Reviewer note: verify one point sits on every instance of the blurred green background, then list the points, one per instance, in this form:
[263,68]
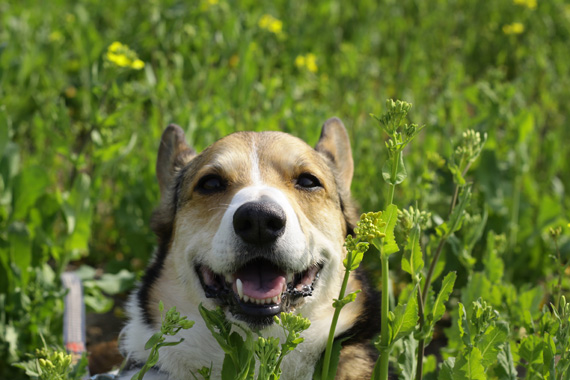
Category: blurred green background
[80,120]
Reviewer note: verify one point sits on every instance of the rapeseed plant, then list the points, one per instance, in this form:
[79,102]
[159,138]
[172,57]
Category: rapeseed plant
[530,4]
[308,61]
[514,28]
[120,55]
[271,24]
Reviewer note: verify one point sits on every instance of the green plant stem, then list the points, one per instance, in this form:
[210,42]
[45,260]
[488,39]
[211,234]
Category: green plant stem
[456,194]
[384,330]
[424,292]
[421,342]
[396,160]
[328,351]
[561,269]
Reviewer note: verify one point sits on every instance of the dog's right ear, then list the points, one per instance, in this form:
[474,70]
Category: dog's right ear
[173,153]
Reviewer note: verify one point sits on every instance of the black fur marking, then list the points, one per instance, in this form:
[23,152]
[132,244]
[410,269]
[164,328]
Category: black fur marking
[162,224]
[151,275]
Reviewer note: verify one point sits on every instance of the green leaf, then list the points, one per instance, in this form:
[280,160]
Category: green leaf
[493,338]
[229,370]
[4,131]
[446,372]
[30,185]
[356,259]
[531,349]
[333,364]
[401,172]
[463,325]
[405,318]
[346,300]
[494,266]
[456,217]
[412,260]
[506,369]
[155,339]
[407,360]
[390,217]
[549,357]
[444,293]
[456,173]
[469,367]
[78,210]
[116,283]
[20,246]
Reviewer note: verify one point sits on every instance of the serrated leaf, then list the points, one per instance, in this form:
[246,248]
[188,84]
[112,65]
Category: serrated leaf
[446,371]
[493,338]
[412,260]
[390,217]
[506,369]
[407,360]
[346,300]
[405,318]
[355,262]
[469,367]
[401,172]
[548,357]
[531,349]
[463,325]
[442,297]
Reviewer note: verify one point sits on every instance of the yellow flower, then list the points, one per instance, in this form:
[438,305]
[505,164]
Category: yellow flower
[137,64]
[115,46]
[311,62]
[530,4]
[120,55]
[119,59]
[271,24]
[514,28]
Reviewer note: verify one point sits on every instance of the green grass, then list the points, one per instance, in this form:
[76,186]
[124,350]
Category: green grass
[79,136]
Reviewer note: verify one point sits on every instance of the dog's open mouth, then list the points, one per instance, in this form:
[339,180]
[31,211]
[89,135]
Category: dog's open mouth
[259,289]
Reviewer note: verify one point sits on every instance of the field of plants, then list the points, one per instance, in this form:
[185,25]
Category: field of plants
[478,260]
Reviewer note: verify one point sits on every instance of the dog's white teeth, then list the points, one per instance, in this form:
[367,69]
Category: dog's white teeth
[245,299]
[239,286]
[289,277]
[275,299]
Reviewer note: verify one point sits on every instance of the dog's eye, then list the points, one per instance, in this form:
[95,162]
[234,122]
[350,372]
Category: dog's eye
[308,182]
[211,183]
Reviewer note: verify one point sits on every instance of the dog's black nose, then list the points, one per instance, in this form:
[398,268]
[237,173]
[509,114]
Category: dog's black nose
[259,222]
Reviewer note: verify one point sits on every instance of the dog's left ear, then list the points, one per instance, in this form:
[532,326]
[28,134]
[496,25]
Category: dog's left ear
[173,154]
[335,146]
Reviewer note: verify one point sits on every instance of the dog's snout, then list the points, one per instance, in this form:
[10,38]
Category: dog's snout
[259,222]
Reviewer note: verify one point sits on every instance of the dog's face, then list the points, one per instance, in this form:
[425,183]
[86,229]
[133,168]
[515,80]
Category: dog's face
[256,222]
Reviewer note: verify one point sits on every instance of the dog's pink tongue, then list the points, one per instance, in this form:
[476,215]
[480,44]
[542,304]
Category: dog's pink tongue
[261,280]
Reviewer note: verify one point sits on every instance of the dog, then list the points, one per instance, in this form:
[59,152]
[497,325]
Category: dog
[255,224]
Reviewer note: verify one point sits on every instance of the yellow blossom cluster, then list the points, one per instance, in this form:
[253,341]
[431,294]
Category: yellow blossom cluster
[514,28]
[271,24]
[120,55]
[530,4]
[309,61]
